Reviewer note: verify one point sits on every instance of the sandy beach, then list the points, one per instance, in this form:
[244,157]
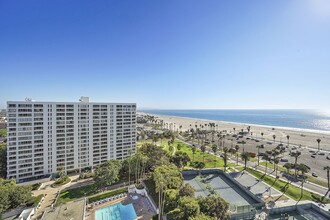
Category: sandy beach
[303,137]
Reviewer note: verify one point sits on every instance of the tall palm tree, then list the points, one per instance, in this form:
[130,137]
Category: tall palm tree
[288,138]
[303,169]
[245,156]
[193,149]
[274,137]
[243,142]
[276,162]
[318,143]
[267,157]
[296,155]
[225,156]
[327,168]
[259,147]
[236,149]
[234,130]
[262,135]
[203,149]
[275,153]
[214,149]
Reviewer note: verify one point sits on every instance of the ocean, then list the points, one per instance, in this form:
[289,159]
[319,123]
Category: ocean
[300,119]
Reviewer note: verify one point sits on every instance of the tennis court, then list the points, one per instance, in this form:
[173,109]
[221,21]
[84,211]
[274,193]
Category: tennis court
[221,184]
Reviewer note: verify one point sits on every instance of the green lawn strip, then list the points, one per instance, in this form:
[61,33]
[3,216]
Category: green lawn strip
[309,177]
[107,194]
[208,158]
[76,193]
[288,189]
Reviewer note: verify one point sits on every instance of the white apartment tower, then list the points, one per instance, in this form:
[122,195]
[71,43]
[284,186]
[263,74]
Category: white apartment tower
[44,137]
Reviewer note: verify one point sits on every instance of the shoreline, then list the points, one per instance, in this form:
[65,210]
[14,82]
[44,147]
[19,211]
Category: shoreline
[245,124]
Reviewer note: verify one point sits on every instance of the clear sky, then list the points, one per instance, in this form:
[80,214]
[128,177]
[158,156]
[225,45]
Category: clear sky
[173,54]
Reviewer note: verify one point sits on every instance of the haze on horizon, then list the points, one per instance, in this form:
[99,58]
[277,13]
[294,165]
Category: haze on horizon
[169,54]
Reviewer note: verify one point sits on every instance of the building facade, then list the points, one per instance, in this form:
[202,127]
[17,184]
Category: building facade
[44,137]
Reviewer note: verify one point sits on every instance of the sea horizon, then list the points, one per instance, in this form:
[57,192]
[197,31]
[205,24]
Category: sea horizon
[297,119]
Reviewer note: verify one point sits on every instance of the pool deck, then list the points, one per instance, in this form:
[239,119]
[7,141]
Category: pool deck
[140,206]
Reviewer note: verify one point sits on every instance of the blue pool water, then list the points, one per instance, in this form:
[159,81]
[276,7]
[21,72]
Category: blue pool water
[116,212]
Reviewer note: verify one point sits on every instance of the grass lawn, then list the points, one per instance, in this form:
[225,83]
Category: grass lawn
[288,189]
[73,194]
[208,158]
[310,178]
[107,194]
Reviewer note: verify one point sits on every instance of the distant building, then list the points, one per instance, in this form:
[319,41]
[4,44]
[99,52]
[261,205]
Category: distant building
[46,136]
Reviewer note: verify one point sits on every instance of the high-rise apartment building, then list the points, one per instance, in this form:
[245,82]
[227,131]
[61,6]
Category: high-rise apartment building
[44,137]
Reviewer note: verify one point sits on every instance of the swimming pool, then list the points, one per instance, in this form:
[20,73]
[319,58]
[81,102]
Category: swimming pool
[116,212]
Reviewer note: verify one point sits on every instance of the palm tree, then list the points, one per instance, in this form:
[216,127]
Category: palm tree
[258,147]
[262,135]
[303,169]
[288,138]
[243,142]
[327,168]
[193,149]
[275,153]
[236,149]
[234,130]
[276,161]
[318,143]
[274,137]
[267,156]
[203,149]
[296,155]
[214,149]
[225,156]
[245,156]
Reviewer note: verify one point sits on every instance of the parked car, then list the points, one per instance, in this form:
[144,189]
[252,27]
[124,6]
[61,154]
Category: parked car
[314,174]
[313,156]
[321,153]
[284,160]
[328,157]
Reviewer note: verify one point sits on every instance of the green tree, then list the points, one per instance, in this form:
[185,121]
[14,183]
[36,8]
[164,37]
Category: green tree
[258,155]
[3,160]
[303,169]
[193,149]
[189,207]
[318,143]
[245,156]
[187,190]
[203,149]
[274,137]
[214,149]
[156,156]
[3,133]
[166,177]
[180,159]
[107,173]
[201,216]
[225,157]
[295,155]
[214,206]
[237,151]
[179,146]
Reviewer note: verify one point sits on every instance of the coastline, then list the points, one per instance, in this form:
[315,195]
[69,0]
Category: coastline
[298,136]
[245,124]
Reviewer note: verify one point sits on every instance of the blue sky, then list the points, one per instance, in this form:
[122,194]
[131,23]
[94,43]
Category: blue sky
[168,54]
